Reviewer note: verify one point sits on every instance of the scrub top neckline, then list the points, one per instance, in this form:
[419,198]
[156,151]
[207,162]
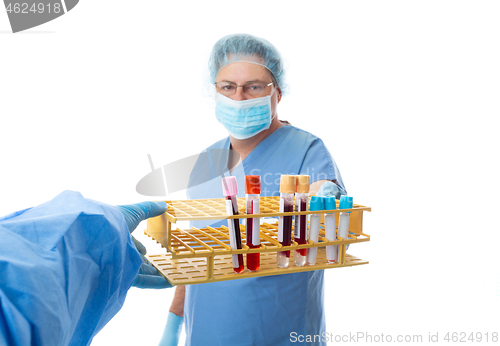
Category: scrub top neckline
[263,144]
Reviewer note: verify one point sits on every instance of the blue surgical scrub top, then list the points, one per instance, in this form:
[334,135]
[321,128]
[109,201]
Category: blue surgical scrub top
[65,268]
[263,310]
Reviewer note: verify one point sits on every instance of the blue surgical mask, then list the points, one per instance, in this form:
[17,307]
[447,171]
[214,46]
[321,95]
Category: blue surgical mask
[244,119]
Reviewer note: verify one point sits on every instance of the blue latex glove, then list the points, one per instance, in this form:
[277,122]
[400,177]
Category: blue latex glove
[135,213]
[65,269]
[148,276]
[172,330]
[331,189]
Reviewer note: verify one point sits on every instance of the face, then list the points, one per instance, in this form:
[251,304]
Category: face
[244,72]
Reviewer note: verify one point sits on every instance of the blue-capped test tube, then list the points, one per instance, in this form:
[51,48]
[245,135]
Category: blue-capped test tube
[315,204]
[345,203]
[330,231]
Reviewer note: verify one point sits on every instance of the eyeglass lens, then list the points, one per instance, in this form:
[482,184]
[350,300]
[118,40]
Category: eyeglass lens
[252,88]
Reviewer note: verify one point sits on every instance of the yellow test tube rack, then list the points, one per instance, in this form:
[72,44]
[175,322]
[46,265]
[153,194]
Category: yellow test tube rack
[203,255]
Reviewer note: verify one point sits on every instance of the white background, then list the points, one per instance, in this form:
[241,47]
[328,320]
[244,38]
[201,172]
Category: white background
[404,94]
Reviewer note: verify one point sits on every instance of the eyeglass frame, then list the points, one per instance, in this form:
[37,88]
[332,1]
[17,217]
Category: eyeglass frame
[236,85]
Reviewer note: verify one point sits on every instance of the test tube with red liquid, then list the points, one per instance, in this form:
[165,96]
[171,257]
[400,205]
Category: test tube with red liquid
[287,190]
[230,191]
[252,193]
[303,183]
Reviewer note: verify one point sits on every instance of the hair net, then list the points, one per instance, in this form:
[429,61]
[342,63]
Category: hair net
[245,47]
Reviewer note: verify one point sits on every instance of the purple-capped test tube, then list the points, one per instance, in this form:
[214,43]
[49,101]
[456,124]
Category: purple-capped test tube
[230,191]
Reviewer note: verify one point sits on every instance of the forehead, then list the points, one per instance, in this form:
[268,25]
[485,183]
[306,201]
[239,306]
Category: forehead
[241,72]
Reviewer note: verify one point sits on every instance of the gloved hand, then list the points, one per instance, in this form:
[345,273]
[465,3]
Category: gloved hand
[172,330]
[135,213]
[148,276]
[329,188]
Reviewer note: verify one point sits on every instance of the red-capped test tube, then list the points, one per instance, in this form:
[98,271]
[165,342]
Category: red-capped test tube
[252,193]
[287,190]
[300,230]
[230,191]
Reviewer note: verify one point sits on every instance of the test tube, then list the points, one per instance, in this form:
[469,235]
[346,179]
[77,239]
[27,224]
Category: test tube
[230,190]
[252,193]
[303,182]
[287,189]
[317,204]
[330,232]
[345,203]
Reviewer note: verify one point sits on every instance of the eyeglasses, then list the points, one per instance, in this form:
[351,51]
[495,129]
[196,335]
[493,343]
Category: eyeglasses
[250,88]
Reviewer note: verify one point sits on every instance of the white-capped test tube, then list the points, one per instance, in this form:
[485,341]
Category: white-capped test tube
[287,190]
[345,203]
[252,193]
[330,231]
[316,204]
[303,182]
[230,191]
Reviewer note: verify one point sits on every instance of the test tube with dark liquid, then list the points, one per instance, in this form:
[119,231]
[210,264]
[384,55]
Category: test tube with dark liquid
[303,183]
[230,191]
[287,190]
[252,193]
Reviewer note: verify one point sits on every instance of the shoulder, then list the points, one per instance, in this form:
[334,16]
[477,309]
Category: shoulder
[305,138]
[221,144]
[317,160]
[209,164]
[295,131]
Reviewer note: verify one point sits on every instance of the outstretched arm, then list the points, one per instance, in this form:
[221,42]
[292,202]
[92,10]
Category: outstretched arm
[66,267]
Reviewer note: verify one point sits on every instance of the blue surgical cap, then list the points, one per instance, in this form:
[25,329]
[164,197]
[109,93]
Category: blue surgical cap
[245,47]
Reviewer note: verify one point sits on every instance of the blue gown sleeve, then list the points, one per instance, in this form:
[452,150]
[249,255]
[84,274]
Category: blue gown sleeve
[66,267]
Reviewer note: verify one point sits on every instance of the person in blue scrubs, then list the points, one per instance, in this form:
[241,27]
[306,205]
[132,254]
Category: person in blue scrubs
[66,266]
[248,76]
